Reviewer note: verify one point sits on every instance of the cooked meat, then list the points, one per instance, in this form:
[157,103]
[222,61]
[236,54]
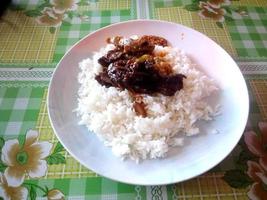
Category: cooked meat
[133,66]
[155,40]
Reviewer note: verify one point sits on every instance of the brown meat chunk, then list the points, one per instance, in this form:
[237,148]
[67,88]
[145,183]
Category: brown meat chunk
[133,66]
[155,40]
[139,47]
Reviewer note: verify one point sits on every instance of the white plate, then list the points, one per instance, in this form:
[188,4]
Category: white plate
[199,155]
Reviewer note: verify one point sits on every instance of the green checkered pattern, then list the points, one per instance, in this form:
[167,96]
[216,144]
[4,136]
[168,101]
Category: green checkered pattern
[170,3]
[254,114]
[77,29]
[249,33]
[19,109]
[99,188]
[91,188]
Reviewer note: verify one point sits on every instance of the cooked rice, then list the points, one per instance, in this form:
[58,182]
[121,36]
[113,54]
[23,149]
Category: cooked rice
[109,113]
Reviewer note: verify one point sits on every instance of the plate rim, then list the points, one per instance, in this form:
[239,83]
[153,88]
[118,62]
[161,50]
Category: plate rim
[126,181]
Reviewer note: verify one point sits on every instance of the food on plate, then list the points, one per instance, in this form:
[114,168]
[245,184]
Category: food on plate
[142,96]
[134,66]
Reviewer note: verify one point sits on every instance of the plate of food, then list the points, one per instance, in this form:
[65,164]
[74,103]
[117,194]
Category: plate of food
[148,102]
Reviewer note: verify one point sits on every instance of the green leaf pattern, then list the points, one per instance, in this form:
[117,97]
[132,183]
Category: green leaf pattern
[52,30]
[32,13]
[219,24]
[2,142]
[33,193]
[56,158]
[58,148]
[237,179]
[192,7]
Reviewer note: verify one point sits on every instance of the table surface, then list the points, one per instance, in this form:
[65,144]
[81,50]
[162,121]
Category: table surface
[34,35]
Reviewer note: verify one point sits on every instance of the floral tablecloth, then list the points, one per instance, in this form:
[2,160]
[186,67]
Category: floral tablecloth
[35,34]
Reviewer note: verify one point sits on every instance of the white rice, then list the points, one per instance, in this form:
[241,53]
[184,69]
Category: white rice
[109,112]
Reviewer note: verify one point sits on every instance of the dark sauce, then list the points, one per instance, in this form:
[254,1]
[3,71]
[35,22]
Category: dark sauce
[133,66]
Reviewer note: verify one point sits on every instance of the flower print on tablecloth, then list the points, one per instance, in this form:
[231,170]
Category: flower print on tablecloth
[9,192]
[27,157]
[50,18]
[208,10]
[217,10]
[62,6]
[54,13]
[55,194]
[251,172]
[257,144]
[257,171]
